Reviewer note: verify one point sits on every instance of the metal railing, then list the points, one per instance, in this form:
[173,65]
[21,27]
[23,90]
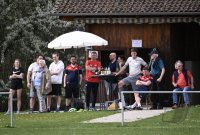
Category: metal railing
[11,106]
[155,92]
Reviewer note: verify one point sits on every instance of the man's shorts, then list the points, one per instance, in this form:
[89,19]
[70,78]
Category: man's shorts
[72,89]
[15,85]
[33,92]
[131,80]
[56,90]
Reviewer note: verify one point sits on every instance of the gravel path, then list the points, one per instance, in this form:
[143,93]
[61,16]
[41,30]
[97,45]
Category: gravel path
[129,116]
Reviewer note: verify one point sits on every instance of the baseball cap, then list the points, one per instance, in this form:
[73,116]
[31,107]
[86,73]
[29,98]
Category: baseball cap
[154,51]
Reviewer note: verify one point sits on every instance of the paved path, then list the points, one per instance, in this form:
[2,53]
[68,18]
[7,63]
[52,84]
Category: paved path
[129,116]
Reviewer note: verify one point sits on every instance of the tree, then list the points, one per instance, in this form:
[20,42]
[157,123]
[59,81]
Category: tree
[26,28]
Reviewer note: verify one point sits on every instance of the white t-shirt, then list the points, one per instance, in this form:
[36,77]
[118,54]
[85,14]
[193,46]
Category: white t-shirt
[33,68]
[59,66]
[135,65]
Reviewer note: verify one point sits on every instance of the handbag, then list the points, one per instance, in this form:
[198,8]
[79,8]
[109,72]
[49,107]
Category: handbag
[46,82]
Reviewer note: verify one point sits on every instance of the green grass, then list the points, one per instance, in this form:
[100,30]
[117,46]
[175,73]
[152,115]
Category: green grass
[179,122]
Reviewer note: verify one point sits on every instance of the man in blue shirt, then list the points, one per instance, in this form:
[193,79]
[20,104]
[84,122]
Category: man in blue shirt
[72,81]
[157,70]
[114,68]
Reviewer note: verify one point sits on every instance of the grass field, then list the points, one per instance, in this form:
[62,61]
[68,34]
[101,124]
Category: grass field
[179,122]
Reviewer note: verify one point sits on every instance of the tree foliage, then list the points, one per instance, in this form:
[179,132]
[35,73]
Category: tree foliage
[26,28]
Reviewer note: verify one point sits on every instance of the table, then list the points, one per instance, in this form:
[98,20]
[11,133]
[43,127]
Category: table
[105,77]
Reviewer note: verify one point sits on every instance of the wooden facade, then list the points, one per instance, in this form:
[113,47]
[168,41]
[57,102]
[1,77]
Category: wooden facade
[174,42]
[120,37]
[172,27]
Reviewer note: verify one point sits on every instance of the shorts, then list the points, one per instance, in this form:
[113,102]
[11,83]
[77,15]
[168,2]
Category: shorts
[33,92]
[15,85]
[131,80]
[56,90]
[72,89]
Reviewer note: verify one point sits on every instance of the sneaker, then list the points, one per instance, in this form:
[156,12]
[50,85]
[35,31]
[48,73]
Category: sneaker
[174,106]
[92,109]
[72,110]
[58,109]
[133,106]
[80,110]
[7,113]
[44,111]
[30,111]
[66,109]
[48,110]
[18,112]
[120,105]
[138,108]
[86,109]
[127,107]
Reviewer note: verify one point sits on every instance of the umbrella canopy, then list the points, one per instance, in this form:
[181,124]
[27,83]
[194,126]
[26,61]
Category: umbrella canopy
[77,39]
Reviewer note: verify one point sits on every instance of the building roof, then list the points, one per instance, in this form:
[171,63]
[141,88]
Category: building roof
[125,7]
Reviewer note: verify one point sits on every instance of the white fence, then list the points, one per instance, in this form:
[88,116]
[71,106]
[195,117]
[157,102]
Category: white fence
[156,92]
[11,106]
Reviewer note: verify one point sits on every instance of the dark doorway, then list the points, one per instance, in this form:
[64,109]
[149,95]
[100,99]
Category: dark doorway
[144,53]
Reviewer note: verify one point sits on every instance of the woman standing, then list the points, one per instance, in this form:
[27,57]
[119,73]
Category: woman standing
[16,78]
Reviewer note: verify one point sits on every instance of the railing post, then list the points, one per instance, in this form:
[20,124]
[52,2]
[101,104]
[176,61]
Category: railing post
[123,104]
[11,109]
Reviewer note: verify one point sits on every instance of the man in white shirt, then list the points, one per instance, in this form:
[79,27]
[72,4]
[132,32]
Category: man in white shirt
[135,63]
[30,77]
[56,69]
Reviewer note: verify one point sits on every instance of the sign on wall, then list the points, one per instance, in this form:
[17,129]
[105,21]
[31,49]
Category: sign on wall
[136,43]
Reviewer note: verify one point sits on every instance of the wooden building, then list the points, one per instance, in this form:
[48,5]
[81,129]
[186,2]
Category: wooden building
[172,26]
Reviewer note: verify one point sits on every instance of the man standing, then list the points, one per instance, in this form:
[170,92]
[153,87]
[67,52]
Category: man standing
[157,70]
[113,67]
[56,69]
[30,77]
[135,63]
[92,82]
[72,81]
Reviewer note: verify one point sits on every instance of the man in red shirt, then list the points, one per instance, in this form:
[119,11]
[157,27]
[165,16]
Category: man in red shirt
[182,80]
[92,82]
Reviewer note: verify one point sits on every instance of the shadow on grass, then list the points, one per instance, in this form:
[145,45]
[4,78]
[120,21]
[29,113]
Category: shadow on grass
[175,116]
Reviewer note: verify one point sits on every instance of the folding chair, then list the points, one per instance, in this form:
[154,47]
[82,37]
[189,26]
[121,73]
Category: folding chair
[148,98]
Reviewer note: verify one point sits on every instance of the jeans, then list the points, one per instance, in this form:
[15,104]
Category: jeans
[185,95]
[108,87]
[41,98]
[142,88]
